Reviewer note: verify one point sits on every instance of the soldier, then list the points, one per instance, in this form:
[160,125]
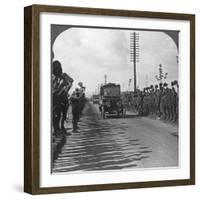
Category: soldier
[82,98]
[136,102]
[75,102]
[57,74]
[157,101]
[151,100]
[140,103]
[163,102]
[64,97]
[61,86]
[169,104]
[176,97]
[159,98]
[125,101]
[146,101]
[173,100]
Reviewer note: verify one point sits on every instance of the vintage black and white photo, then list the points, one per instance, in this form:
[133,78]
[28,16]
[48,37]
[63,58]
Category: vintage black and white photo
[109,99]
[114,98]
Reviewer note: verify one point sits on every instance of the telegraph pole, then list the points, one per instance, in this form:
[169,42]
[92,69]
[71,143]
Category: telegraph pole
[134,54]
[105,79]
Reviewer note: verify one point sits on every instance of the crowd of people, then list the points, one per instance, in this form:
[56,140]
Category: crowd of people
[159,100]
[61,100]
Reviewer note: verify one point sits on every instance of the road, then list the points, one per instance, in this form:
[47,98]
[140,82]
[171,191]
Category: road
[117,143]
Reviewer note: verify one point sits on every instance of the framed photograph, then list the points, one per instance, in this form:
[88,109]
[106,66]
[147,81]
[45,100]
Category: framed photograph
[109,99]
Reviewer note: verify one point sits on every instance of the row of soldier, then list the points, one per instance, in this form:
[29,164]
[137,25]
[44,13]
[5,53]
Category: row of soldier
[61,84]
[159,100]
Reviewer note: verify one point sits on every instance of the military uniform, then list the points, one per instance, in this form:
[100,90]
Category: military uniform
[140,104]
[56,104]
[61,83]
[160,101]
[75,103]
[157,102]
[174,104]
[146,104]
[64,97]
[169,104]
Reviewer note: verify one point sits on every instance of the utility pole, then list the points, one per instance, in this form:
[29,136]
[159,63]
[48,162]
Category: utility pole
[105,79]
[134,54]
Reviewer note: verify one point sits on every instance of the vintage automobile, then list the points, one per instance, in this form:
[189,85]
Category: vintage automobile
[95,99]
[110,100]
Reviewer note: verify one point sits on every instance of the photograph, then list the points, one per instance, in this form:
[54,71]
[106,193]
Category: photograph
[109,99]
[114,99]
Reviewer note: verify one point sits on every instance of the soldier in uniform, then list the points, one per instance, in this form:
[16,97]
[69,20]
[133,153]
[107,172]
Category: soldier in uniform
[82,98]
[177,99]
[159,98]
[146,101]
[176,95]
[151,100]
[140,103]
[163,103]
[124,101]
[64,97]
[169,104]
[61,86]
[157,103]
[75,103]
[56,79]
[173,100]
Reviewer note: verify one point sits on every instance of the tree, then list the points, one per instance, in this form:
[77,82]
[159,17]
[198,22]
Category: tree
[161,76]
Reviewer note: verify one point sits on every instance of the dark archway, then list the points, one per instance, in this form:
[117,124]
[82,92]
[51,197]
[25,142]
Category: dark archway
[56,30]
[174,37]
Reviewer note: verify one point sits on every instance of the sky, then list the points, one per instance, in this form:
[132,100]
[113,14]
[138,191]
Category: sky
[88,54]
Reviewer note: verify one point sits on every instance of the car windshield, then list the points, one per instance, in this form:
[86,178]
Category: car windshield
[114,91]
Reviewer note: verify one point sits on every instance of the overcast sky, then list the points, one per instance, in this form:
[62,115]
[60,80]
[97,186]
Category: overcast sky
[87,54]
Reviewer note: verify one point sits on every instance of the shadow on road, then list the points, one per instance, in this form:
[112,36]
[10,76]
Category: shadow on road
[98,145]
[127,116]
